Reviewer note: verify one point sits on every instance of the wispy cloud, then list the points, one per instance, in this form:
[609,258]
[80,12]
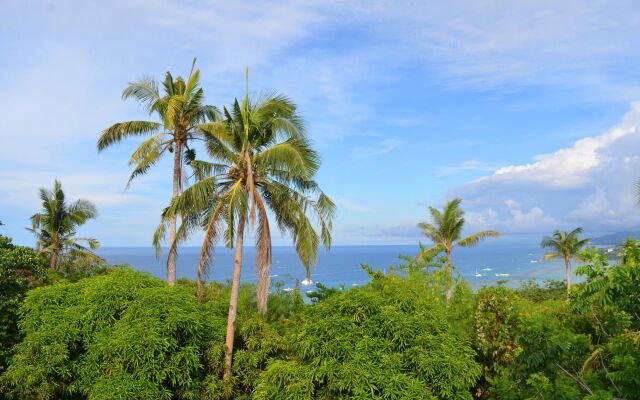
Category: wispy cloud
[351,205]
[469,165]
[382,147]
[520,43]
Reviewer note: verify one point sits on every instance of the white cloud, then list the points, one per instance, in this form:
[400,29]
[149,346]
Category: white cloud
[571,167]
[382,147]
[514,220]
[590,184]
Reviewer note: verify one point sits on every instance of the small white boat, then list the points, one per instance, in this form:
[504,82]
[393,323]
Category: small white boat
[288,289]
[486,269]
[307,282]
[478,275]
[533,261]
[503,274]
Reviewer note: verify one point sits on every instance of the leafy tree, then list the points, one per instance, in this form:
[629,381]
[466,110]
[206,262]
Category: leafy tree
[5,242]
[123,333]
[180,110]
[55,227]
[566,245]
[263,162]
[552,290]
[21,269]
[496,322]
[629,251]
[445,232]
[387,340]
[610,300]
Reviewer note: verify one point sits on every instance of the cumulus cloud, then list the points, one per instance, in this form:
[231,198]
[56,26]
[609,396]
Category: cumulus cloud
[590,184]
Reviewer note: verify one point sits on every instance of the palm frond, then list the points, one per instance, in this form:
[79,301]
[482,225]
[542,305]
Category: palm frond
[551,256]
[144,90]
[116,132]
[476,238]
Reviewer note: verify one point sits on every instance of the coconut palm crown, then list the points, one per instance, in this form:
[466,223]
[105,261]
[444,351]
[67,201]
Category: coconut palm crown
[179,109]
[445,232]
[566,245]
[261,164]
[56,225]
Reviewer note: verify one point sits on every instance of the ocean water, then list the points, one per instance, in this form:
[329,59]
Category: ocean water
[515,262]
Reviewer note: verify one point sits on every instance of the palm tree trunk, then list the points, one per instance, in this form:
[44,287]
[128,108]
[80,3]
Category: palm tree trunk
[567,265]
[449,277]
[173,251]
[264,281]
[53,261]
[199,285]
[233,302]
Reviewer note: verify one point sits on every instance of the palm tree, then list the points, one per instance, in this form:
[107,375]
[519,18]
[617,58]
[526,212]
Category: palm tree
[565,245]
[445,232]
[55,227]
[262,163]
[180,110]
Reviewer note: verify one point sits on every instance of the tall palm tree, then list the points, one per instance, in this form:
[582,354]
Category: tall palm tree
[180,109]
[55,227]
[262,163]
[565,245]
[445,231]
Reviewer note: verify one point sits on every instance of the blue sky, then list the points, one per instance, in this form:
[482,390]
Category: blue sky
[527,110]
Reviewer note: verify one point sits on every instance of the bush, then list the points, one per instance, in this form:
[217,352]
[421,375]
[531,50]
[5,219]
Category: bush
[388,340]
[124,334]
[21,269]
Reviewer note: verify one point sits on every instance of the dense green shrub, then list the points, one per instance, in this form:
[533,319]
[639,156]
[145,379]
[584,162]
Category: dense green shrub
[121,335]
[21,269]
[124,334]
[388,340]
[552,290]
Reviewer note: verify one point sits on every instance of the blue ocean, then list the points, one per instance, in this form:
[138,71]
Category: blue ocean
[483,265]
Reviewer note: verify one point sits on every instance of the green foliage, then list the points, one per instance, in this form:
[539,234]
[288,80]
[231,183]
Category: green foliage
[552,290]
[5,242]
[21,269]
[123,332]
[388,340]
[496,321]
[75,268]
[323,292]
[119,333]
